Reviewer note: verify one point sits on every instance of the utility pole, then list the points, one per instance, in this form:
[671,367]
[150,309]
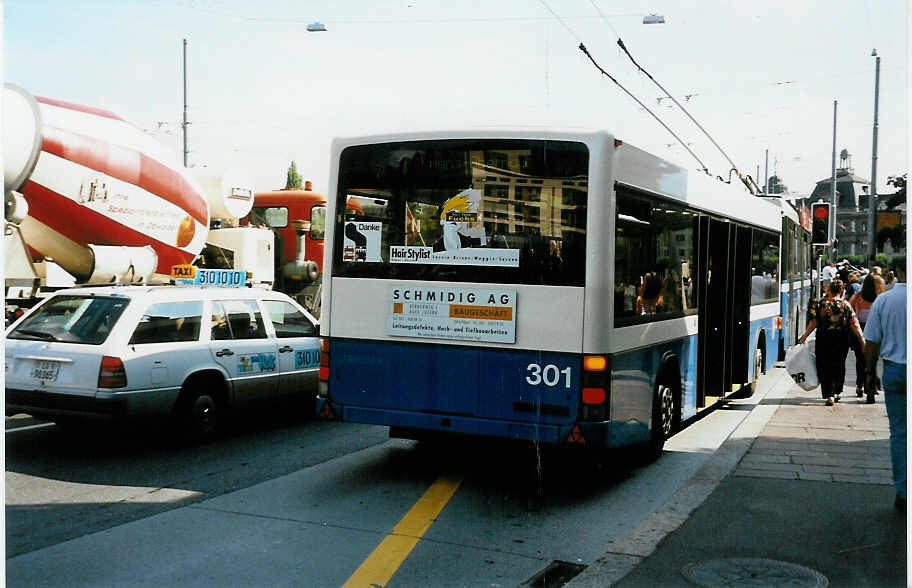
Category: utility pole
[833,182]
[185,123]
[872,199]
[766,170]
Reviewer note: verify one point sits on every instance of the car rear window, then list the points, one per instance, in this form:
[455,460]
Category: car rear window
[287,320]
[237,319]
[72,319]
[169,322]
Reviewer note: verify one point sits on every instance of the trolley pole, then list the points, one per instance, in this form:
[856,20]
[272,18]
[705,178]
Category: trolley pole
[872,199]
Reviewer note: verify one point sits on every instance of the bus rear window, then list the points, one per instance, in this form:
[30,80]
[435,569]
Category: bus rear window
[499,211]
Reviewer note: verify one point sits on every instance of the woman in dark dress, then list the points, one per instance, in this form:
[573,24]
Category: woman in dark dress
[835,322]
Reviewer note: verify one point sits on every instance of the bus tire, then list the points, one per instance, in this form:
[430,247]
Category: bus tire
[666,416]
[758,369]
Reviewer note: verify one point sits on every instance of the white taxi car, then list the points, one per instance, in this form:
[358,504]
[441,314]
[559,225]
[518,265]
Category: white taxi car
[184,353]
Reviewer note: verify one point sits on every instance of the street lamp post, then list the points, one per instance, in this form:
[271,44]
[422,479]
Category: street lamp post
[872,199]
[185,122]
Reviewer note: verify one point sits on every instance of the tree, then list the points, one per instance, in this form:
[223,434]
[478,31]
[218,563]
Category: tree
[293,179]
[775,186]
[899,197]
[895,235]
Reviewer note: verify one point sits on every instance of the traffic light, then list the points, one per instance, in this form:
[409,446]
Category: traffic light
[820,223]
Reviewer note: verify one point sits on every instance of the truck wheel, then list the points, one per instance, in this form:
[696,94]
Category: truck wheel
[312,271]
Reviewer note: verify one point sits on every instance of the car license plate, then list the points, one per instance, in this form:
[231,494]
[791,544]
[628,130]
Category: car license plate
[45,370]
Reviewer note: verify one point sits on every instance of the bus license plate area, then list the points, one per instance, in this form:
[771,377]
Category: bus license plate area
[45,370]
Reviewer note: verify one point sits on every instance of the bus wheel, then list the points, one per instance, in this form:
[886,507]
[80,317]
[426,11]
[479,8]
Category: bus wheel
[758,368]
[664,418]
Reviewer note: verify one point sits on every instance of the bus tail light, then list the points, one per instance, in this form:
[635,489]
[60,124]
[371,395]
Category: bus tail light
[594,398]
[779,323]
[112,374]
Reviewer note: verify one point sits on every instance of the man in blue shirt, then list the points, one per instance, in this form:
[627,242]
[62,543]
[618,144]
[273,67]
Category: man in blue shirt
[885,337]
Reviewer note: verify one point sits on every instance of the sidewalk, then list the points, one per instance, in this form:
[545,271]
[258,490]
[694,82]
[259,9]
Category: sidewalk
[809,500]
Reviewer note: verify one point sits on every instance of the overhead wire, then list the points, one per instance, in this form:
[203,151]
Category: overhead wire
[623,47]
[582,48]
[189,4]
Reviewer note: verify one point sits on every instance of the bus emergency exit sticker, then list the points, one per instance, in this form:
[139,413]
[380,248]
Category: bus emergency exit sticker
[467,314]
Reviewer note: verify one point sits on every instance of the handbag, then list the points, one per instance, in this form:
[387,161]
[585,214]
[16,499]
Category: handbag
[801,364]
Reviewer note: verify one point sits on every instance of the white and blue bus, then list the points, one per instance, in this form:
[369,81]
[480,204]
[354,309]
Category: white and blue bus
[795,265]
[558,287]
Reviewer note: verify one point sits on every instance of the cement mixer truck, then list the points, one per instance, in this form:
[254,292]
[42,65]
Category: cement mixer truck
[90,198]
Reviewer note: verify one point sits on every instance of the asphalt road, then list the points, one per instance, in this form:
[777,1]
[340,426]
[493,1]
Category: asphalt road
[65,483]
[319,497]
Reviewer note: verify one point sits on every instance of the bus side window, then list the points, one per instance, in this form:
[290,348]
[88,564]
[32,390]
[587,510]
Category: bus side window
[654,251]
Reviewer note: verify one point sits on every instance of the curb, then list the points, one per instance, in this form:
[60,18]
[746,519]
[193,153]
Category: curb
[638,544]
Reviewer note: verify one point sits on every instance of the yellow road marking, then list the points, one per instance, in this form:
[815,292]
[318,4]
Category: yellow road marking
[380,566]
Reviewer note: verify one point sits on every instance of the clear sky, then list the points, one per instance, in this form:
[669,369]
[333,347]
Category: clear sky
[264,91]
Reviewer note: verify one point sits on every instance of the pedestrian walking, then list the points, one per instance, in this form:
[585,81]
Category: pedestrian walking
[828,273]
[834,320]
[854,285]
[885,337]
[861,303]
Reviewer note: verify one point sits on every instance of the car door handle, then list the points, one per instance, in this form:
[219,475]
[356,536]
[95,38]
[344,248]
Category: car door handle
[285,349]
[224,352]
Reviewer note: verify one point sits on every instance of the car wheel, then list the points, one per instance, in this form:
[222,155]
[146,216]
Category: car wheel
[199,416]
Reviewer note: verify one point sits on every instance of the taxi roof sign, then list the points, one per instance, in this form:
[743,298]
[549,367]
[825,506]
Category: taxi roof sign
[184,270]
[189,275]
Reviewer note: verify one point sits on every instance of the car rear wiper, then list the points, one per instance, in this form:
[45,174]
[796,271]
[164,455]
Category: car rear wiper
[37,334]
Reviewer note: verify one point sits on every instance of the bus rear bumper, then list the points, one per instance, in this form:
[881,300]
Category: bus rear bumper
[594,434]
[458,424]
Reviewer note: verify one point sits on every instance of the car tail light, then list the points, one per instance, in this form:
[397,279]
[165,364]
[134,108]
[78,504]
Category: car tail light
[594,397]
[324,359]
[111,374]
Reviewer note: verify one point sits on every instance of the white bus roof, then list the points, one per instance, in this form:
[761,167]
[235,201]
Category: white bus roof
[633,167]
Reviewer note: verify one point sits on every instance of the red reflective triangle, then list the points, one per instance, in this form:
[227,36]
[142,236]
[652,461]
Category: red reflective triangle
[327,413]
[576,436]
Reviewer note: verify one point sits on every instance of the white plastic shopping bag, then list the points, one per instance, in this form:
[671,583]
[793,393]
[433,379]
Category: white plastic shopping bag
[801,364]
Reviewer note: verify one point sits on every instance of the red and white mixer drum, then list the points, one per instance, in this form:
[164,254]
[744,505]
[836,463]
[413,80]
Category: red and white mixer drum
[91,177]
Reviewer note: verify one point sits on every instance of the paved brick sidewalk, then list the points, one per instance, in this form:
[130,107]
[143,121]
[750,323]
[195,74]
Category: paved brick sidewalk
[799,483]
[806,440]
